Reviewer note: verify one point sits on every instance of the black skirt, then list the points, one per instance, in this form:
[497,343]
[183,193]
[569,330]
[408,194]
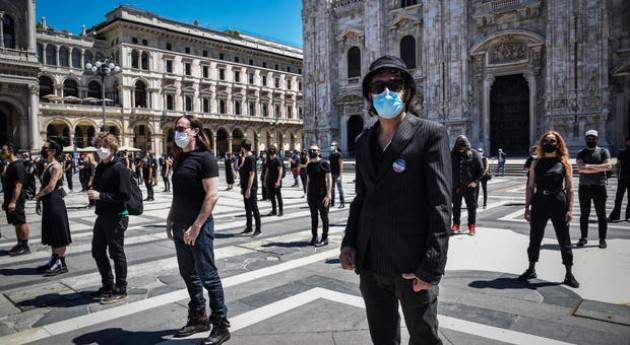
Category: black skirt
[55,226]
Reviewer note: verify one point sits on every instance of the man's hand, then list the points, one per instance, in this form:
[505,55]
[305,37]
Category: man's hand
[277,184]
[38,208]
[169,230]
[11,207]
[326,200]
[347,258]
[94,195]
[191,234]
[528,215]
[248,194]
[418,284]
[473,184]
[569,216]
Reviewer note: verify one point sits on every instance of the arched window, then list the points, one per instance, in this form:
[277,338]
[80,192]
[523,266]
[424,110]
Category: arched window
[76,58]
[237,107]
[114,93]
[145,61]
[135,59]
[46,86]
[63,57]
[169,102]
[94,89]
[70,88]
[406,3]
[354,62]
[51,55]
[140,94]
[87,57]
[40,53]
[408,51]
[189,105]
[8,28]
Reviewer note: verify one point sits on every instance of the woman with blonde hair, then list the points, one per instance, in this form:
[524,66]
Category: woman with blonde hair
[550,195]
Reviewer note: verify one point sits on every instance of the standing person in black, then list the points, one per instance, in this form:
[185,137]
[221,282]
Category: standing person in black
[273,181]
[397,231]
[295,167]
[14,180]
[623,183]
[50,204]
[137,163]
[249,186]
[501,160]
[467,171]
[550,199]
[191,226]
[263,174]
[484,178]
[592,163]
[229,170]
[148,170]
[68,168]
[336,169]
[111,189]
[303,163]
[319,183]
[83,178]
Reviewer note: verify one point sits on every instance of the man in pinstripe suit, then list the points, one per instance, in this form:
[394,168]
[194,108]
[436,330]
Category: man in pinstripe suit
[397,233]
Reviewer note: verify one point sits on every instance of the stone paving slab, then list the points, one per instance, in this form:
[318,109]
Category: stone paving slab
[605,312]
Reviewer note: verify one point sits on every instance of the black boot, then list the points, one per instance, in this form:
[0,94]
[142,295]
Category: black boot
[530,273]
[220,331]
[197,322]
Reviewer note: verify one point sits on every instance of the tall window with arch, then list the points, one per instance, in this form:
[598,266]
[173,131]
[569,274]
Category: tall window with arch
[354,62]
[63,57]
[135,59]
[76,58]
[94,89]
[46,86]
[140,94]
[408,51]
[189,103]
[40,53]
[144,61]
[169,102]
[51,55]
[87,57]
[70,88]
[8,28]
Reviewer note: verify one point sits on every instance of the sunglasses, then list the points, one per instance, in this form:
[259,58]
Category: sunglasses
[181,129]
[394,85]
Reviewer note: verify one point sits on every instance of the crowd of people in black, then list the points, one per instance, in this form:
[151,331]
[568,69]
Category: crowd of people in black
[393,214]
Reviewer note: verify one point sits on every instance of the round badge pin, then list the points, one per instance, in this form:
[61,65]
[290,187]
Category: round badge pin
[399,165]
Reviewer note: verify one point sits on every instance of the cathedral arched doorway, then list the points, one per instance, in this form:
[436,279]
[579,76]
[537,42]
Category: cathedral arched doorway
[355,127]
[4,132]
[222,142]
[510,115]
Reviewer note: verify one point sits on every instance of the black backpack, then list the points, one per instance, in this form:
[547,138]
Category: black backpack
[134,205]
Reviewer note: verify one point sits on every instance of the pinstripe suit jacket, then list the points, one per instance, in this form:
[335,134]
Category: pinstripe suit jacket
[402,209]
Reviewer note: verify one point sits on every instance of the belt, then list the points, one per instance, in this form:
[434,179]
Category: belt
[548,192]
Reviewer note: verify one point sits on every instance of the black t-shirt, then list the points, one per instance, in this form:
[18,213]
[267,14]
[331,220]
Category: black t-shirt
[189,170]
[596,156]
[316,172]
[295,161]
[113,181]
[149,163]
[15,173]
[248,165]
[273,165]
[624,164]
[335,159]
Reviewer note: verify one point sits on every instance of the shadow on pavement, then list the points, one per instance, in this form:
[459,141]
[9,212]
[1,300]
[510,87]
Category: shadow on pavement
[120,336]
[25,271]
[287,244]
[509,283]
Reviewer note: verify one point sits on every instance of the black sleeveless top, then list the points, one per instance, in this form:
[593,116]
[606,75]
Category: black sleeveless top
[550,173]
[47,176]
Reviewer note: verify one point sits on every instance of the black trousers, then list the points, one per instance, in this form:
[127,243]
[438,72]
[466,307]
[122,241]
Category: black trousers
[167,183]
[149,185]
[316,205]
[470,195]
[303,178]
[69,179]
[275,195]
[251,208]
[545,207]
[484,188]
[83,180]
[622,187]
[598,195]
[109,235]
[382,295]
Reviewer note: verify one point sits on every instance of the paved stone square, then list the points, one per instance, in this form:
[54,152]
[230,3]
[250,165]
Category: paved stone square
[279,290]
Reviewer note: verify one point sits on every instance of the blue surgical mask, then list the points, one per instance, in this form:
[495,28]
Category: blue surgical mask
[181,139]
[388,104]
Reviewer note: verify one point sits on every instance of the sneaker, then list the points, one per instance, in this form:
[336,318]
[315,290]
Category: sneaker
[256,233]
[43,268]
[19,249]
[220,332]
[101,292]
[472,229]
[603,244]
[313,241]
[246,232]
[528,274]
[114,296]
[569,280]
[57,268]
[342,206]
[455,228]
[581,242]
[322,242]
[612,220]
[271,214]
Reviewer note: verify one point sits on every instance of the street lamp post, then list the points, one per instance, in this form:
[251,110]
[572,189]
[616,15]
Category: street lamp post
[103,68]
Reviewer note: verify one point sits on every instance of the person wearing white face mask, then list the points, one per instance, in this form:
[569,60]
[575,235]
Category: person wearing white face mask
[398,228]
[111,190]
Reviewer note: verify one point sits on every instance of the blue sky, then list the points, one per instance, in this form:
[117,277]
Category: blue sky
[278,20]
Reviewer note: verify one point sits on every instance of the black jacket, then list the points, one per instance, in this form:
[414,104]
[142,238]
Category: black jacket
[113,181]
[405,213]
[467,168]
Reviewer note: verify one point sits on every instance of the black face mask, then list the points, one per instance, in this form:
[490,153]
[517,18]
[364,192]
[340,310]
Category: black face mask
[312,153]
[591,144]
[44,153]
[272,152]
[549,147]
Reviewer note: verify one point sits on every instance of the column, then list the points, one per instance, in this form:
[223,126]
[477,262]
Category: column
[34,139]
[230,143]
[81,63]
[531,81]
[32,42]
[1,29]
[487,84]
[343,135]
[214,142]
[57,52]
[44,46]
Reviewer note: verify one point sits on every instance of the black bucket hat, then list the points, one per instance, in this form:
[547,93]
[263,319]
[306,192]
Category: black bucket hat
[389,62]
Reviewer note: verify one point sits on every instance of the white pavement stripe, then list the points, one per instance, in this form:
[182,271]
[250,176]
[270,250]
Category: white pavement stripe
[115,313]
[519,217]
[290,303]
[83,248]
